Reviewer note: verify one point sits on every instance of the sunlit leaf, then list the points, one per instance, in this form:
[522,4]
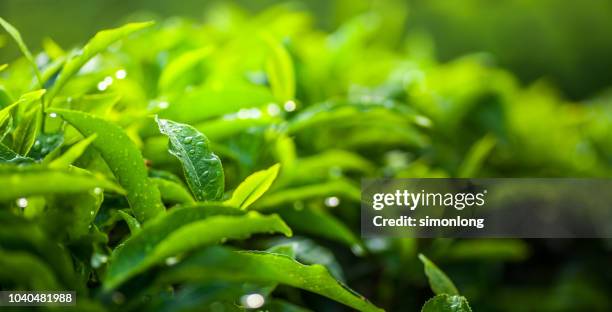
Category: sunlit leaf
[253,187]
[178,68]
[279,68]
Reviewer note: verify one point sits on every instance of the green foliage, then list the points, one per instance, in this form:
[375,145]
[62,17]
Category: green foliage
[266,125]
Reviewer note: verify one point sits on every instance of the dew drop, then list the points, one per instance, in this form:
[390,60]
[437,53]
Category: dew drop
[170,261]
[187,140]
[53,115]
[273,109]
[332,201]
[121,74]
[22,202]
[253,301]
[98,259]
[289,106]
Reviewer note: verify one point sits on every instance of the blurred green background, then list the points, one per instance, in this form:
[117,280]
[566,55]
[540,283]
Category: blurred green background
[565,42]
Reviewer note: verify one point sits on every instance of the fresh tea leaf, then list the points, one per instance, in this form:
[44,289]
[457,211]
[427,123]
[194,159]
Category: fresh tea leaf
[439,282]
[203,169]
[178,68]
[279,68]
[16,182]
[319,222]
[131,222]
[253,187]
[96,45]
[446,303]
[262,267]
[332,188]
[185,229]
[25,99]
[27,130]
[476,156]
[124,160]
[22,46]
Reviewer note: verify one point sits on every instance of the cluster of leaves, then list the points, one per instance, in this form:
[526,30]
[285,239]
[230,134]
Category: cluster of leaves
[159,166]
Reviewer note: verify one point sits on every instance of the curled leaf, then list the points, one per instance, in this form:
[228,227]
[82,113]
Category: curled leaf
[202,168]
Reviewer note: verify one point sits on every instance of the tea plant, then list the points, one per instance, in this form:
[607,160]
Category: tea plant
[178,166]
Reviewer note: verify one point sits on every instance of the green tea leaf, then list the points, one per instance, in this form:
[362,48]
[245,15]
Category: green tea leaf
[206,102]
[253,187]
[3,67]
[446,303]
[263,267]
[73,153]
[22,46]
[72,214]
[96,45]
[331,188]
[124,160]
[26,98]
[202,168]
[182,230]
[173,192]
[177,69]
[132,223]
[32,180]
[321,223]
[476,156]
[308,251]
[439,282]
[27,130]
[279,68]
